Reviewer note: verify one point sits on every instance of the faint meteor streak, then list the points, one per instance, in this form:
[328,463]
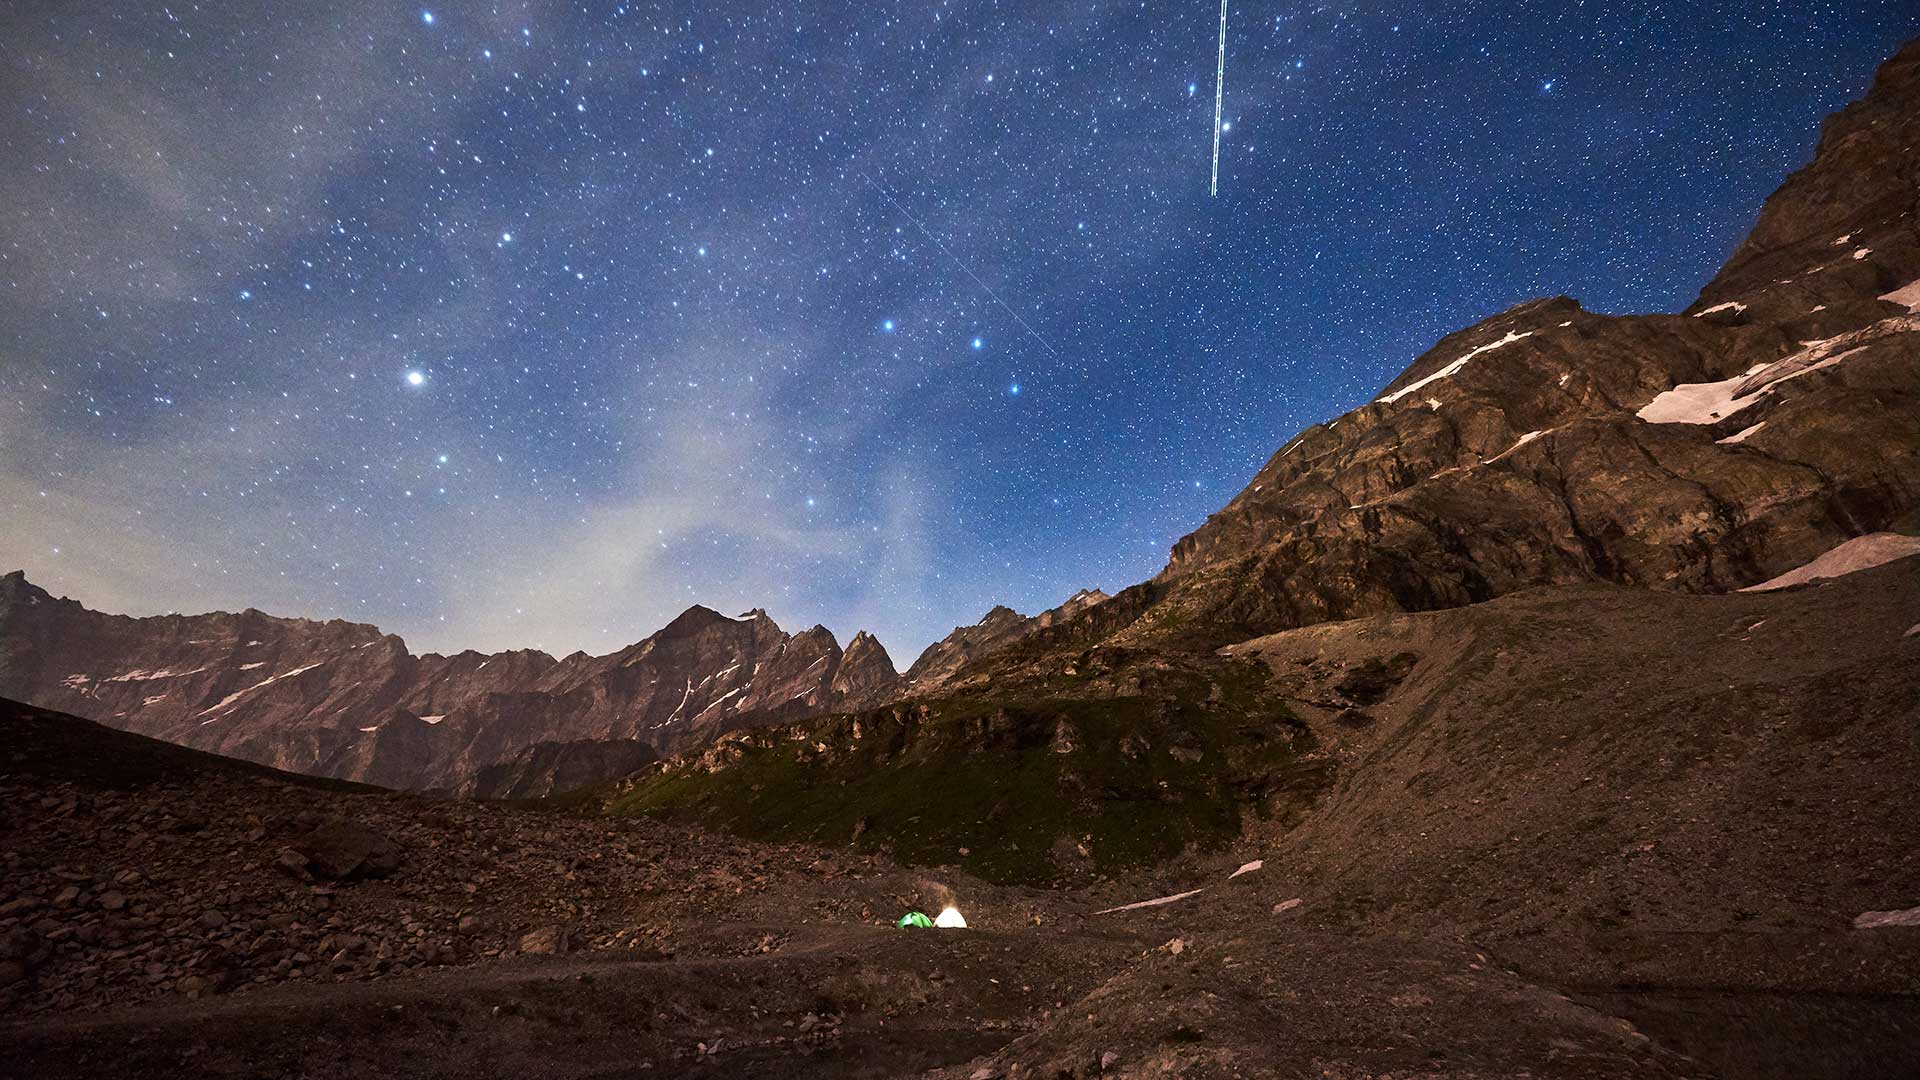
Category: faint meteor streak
[988,289]
[1219,89]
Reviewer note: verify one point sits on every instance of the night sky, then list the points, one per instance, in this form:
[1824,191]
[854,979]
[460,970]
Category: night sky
[531,324]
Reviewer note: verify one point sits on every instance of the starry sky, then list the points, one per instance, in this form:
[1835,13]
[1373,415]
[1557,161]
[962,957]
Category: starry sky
[530,324]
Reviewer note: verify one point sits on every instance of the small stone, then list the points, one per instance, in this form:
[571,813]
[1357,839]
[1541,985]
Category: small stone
[292,863]
[471,924]
[1867,920]
[113,901]
[212,920]
[1108,1060]
[1286,905]
[545,941]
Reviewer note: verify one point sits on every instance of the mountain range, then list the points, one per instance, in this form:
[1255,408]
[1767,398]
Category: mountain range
[344,700]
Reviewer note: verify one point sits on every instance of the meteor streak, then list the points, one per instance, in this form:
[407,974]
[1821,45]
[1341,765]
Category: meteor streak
[1219,89]
[988,289]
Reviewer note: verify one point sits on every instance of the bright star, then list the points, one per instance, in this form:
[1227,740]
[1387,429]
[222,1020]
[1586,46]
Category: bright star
[1228,126]
[443,459]
[426,17]
[416,378]
[245,294]
[506,238]
[1191,87]
[979,344]
[887,326]
[1014,390]
[1547,87]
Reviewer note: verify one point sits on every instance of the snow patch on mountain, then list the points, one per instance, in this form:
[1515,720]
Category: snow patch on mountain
[1907,296]
[1706,403]
[142,676]
[1859,553]
[1700,403]
[238,694]
[1524,440]
[1453,367]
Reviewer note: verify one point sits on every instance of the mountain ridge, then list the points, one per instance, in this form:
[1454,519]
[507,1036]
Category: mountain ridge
[341,699]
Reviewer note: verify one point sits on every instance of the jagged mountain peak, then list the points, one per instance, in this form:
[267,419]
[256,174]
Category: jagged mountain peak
[694,619]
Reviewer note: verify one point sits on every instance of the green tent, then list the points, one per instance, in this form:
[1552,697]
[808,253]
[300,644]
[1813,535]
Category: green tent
[916,920]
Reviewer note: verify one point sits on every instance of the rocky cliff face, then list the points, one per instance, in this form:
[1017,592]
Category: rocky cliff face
[342,699]
[1700,452]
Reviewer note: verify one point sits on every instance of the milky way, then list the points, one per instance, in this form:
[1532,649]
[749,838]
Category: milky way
[532,324]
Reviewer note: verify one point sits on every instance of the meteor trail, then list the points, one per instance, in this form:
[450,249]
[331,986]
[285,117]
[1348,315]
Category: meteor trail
[988,289]
[1219,88]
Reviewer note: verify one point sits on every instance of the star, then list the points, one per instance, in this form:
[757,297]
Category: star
[426,17]
[977,343]
[887,326]
[1014,390]
[416,378]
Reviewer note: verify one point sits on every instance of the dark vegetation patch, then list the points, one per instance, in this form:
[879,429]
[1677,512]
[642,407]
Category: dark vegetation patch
[1370,683]
[1029,790]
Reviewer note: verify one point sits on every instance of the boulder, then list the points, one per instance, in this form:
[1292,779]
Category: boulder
[340,850]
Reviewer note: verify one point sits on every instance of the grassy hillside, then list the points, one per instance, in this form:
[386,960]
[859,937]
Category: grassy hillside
[1032,790]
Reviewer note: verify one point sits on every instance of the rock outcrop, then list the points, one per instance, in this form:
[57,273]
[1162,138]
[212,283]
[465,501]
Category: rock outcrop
[344,700]
[551,768]
[997,629]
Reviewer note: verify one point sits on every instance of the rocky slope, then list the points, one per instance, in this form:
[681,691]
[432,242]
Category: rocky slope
[553,768]
[344,700]
[1700,452]
[997,629]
